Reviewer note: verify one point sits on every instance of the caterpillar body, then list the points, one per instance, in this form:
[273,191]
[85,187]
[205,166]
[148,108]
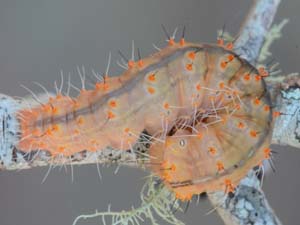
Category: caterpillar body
[207,109]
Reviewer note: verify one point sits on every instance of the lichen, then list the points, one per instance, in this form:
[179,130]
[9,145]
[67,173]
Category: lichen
[156,200]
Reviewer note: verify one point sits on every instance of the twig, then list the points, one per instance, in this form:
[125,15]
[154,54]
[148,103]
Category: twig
[255,28]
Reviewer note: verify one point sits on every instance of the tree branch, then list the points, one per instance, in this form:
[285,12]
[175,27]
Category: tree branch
[255,28]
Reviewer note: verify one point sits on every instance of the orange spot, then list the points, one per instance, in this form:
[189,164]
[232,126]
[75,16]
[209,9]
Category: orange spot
[48,132]
[55,127]
[229,45]
[171,42]
[238,106]
[212,151]
[276,114]
[198,87]
[140,63]
[267,108]
[223,64]
[220,41]
[230,57]
[178,196]
[105,86]
[263,72]
[152,77]
[199,135]
[220,166]
[221,85]
[253,133]
[61,149]
[80,120]
[257,101]
[98,86]
[227,182]
[173,168]
[267,152]
[126,130]
[59,96]
[112,103]
[130,64]
[110,115]
[257,77]
[241,125]
[192,55]
[151,90]
[54,110]
[76,131]
[182,42]
[247,77]
[102,86]
[166,105]
[229,186]
[189,66]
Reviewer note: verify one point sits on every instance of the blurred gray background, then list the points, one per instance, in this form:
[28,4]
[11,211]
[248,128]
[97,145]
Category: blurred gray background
[39,38]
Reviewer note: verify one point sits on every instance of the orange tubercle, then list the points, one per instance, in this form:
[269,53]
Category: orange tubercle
[189,66]
[130,64]
[253,133]
[171,41]
[182,42]
[151,90]
[192,55]
[151,77]
[220,41]
[140,63]
[247,77]
[112,103]
[223,64]
[110,115]
[220,166]
[276,114]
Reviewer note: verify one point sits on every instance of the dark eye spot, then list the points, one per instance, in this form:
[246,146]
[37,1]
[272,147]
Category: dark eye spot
[182,143]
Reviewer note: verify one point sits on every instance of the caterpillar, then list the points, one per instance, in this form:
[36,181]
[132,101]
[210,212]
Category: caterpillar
[207,110]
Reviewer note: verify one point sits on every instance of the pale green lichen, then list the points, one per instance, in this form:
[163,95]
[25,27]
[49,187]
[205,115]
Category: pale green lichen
[225,35]
[156,200]
[273,35]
